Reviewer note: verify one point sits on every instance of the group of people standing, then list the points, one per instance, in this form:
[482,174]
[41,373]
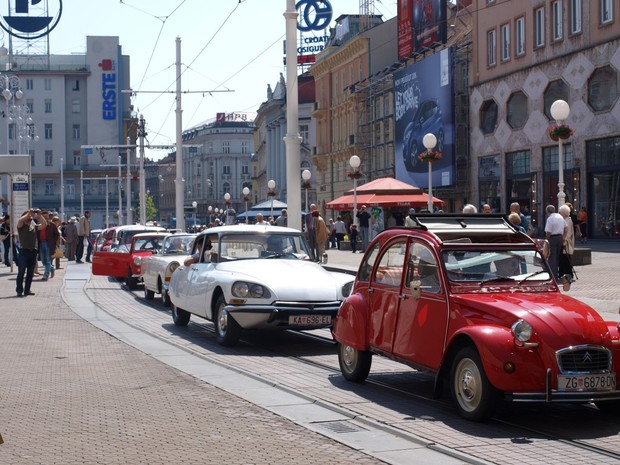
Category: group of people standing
[40,235]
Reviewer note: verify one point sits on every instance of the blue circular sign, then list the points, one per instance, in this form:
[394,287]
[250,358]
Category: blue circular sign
[315,15]
[29,19]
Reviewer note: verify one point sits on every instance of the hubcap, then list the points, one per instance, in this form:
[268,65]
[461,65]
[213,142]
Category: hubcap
[349,356]
[467,385]
[222,321]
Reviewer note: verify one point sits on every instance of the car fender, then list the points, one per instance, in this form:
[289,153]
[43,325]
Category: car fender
[351,325]
[496,346]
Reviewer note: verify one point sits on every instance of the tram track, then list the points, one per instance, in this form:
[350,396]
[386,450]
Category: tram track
[590,450]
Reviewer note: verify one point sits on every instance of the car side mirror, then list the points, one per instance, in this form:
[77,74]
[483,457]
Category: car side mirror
[415,288]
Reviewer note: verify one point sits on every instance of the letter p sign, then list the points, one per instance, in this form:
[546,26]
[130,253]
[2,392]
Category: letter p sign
[21,6]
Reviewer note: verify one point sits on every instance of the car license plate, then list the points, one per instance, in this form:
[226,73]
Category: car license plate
[603,382]
[309,320]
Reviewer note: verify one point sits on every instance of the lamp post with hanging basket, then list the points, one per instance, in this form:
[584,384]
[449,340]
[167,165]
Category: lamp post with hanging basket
[430,156]
[560,132]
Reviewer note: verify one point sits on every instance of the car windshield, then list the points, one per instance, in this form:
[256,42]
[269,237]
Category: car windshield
[178,245]
[262,246]
[495,266]
[151,244]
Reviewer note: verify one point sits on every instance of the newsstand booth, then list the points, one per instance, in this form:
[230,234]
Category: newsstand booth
[382,196]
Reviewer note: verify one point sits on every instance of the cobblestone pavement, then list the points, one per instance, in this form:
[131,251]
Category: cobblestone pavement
[71,394]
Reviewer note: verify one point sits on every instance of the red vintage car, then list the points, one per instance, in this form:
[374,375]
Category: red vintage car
[471,300]
[125,261]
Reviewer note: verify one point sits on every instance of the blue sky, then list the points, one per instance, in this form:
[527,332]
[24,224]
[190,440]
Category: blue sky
[226,44]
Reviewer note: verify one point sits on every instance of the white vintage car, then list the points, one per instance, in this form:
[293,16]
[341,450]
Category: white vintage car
[157,269]
[255,277]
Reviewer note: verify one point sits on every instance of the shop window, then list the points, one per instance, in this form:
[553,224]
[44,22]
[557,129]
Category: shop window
[517,110]
[603,89]
[488,116]
[556,90]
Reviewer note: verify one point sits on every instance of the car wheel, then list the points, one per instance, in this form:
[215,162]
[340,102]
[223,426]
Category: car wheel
[179,316]
[227,330]
[354,364]
[472,392]
[132,283]
[440,139]
[413,155]
[148,294]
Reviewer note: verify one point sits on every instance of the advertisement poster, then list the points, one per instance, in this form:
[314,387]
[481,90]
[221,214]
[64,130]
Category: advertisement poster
[376,221]
[423,98]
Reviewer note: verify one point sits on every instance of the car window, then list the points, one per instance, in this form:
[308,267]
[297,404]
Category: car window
[253,246]
[179,245]
[422,268]
[389,271]
[368,264]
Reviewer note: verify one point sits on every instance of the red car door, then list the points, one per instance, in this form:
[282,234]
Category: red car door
[421,325]
[114,264]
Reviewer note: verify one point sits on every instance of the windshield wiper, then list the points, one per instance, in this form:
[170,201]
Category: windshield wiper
[536,273]
[274,255]
[496,278]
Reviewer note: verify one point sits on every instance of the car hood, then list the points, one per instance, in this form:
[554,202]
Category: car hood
[290,280]
[560,320]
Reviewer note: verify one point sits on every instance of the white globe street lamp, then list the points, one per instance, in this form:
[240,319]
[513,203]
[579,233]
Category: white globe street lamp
[271,184]
[430,141]
[195,206]
[210,210]
[560,111]
[246,193]
[228,218]
[355,163]
[306,175]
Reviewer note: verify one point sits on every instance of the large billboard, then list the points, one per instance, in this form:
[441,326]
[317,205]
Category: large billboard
[421,25]
[423,100]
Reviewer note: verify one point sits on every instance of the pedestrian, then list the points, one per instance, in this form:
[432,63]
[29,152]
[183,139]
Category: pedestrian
[321,235]
[554,230]
[410,221]
[353,238]
[7,241]
[282,219]
[28,225]
[515,219]
[71,238]
[260,219]
[341,231]
[83,235]
[469,208]
[363,219]
[47,244]
[582,218]
[516,207]
[60,243]
[568,247]
[311,228]
[331,228]
[486,209]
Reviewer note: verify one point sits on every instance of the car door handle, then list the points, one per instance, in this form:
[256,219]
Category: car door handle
[403,297]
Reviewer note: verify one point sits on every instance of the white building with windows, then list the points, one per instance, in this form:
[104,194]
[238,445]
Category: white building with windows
[56,105]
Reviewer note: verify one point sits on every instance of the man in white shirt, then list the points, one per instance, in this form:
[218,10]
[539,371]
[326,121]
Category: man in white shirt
[554,230]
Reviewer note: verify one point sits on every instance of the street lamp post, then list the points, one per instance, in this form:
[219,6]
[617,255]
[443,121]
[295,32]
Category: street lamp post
[271,184]
[246,194]
[210,210]
[306,175]
[355,163]
[194,206]
[227,202]
[430,141]
[560,111]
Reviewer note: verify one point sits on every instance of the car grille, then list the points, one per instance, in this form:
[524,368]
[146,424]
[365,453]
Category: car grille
[584,359]
[305,306]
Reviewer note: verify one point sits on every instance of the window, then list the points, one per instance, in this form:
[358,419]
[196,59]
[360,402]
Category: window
[245,147]
[49,187]
[47,84]
[554,91]
[556,8]
[32,157]
[225,147]
[539,30]
[48,105]
[226,169]
[505,42]
[517,110]
[76,85]
[245,169]
[607,11]
[30,105]
[76,132]
[603,88]
[76,106]
[488,116]
[389,272]
[48,130]
[520,36]
[303,132]
[422,268]
[491,49]
[12,131]
[77,158]
[575,16]
[29,84]
[49,158]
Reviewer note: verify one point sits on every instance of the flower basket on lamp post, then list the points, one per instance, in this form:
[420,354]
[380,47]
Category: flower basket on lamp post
[430,156]
[557,132]
[355,174]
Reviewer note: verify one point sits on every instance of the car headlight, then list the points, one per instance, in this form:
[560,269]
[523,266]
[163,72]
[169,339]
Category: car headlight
[346,289]
[244,290]
[137,261]
[522,331]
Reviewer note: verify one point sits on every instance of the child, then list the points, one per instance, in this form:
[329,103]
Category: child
[353,238]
